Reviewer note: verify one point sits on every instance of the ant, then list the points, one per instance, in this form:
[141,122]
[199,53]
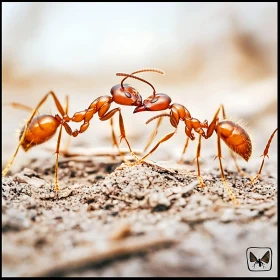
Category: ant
[41,128]
[234,136]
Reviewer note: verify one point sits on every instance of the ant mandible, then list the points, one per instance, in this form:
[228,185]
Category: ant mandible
[234,136]
[41,128]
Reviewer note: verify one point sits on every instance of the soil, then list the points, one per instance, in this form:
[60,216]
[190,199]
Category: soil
[149,219]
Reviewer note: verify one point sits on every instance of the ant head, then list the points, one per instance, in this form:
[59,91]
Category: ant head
[157,102]
[126,95]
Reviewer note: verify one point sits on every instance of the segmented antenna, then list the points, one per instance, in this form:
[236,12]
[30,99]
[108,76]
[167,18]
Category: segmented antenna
[137,78]
[146,70]
[141,71]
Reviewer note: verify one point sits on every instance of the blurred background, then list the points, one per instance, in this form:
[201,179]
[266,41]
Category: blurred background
[212,54]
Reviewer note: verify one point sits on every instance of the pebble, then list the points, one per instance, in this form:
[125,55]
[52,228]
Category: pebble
[257,196]
[20,178]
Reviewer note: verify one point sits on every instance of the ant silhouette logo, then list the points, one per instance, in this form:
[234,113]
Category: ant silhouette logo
[259,258]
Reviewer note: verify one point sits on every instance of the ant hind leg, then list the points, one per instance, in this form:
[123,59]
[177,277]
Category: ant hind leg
[265,154]
[197,162]
[219,156]
[59,107]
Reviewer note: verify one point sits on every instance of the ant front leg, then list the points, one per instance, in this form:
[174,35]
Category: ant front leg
[163,139]
[108,116]
[153,135]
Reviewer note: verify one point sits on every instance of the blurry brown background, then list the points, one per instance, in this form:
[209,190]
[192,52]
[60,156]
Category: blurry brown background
[211,53]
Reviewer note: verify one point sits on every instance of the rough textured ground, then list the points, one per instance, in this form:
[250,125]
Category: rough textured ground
[111,219]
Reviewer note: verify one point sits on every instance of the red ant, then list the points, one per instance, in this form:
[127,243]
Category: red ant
[235,136]
[41,128]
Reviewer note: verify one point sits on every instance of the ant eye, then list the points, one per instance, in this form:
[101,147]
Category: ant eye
[127,94]
[154,100]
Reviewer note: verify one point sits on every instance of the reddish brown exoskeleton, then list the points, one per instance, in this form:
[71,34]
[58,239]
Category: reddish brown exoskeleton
[234,136]
[39,129]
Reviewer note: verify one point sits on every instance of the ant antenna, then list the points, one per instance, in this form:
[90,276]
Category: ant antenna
[146,70]
[137,78]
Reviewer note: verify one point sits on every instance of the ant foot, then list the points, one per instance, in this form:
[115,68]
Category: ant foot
[56,190]
[136,162]
[202,185]
[6,170]
[134,155]
[254,180]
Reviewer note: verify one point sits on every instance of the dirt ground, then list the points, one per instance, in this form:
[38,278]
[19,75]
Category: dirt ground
[150,219]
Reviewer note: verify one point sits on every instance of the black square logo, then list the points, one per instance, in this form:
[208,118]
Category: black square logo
[259,258]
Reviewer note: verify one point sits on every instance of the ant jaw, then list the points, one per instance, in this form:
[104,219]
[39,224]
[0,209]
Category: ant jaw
[138,102]
[140,109]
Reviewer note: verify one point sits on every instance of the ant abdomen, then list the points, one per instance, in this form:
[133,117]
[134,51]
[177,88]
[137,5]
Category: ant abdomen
[40,129]
[236,138]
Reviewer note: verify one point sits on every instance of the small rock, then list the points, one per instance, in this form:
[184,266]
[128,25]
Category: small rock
[36,182]
[257,196]
[29,172]
[20,178]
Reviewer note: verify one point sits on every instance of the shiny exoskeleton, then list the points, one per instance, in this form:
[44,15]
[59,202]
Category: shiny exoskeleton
[234,136]
[40,129]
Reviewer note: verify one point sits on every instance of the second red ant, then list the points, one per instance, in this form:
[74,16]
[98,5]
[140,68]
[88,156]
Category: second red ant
[233,135]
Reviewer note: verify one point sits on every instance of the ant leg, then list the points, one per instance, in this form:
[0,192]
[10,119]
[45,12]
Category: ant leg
[115,142]
[230,193]
[153,135]
[59,107]
[56,185]
[19,106]
[197,162]
[265,154]
[109,115]
[240,171]
[181,160]
[163,139]
[64,152]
